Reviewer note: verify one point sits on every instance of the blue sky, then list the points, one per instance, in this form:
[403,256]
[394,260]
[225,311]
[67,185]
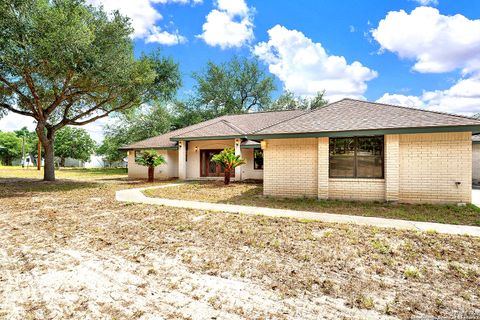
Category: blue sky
[420,53]
[343,28]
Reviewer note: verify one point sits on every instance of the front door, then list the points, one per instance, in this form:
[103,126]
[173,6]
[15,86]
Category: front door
[208,168]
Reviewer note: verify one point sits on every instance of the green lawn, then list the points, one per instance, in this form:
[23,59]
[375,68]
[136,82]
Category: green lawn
[251,194]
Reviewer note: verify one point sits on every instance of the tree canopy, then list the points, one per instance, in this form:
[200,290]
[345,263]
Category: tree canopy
[10,147]
[73,143]
[63,62]
[237,86]
[138,125]
[289,101]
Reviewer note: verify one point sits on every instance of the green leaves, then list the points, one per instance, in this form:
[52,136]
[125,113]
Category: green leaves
[66,63]
[10,147]
[227,159]
[74,143]
[237,86]
[150,158]
[289,101]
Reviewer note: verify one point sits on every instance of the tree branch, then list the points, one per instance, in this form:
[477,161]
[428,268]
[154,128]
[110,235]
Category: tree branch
[59,98]
[15,88]
[31,86]
[10,108]
[81,123]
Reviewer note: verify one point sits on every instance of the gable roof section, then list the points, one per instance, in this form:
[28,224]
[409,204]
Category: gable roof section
[222,128]
[355,115]
[229,125]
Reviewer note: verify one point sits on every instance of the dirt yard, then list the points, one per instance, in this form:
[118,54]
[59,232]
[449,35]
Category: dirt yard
[69,250]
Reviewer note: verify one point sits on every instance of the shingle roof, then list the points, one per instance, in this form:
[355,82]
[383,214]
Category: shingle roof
[344,115]
[229,125]
[353,115]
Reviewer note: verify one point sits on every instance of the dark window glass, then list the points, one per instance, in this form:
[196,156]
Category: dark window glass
[359,157]
[342,157]
[257,159]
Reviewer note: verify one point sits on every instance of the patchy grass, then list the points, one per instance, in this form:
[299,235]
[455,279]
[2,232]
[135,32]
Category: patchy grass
[77,253]
[251,194]
[63,173]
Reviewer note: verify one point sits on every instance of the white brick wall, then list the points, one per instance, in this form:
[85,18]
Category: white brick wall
[357,189]
[430,164]
[392,167]
[418,168]
[290,167]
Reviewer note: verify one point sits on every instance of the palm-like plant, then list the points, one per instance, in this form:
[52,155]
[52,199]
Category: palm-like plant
[150,159]
[229,161]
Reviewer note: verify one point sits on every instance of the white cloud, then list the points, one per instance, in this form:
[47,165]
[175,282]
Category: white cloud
[14,121]
[462,98]
[230,25]
[437,43]
[144,17]
[427,2]
[306,68]
[164,37]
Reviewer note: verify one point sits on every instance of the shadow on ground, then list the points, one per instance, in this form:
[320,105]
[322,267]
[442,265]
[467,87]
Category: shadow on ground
[22,187]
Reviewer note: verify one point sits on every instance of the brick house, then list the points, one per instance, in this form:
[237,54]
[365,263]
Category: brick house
[349,149]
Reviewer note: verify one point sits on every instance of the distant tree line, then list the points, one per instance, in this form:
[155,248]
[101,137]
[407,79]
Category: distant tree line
[74,143]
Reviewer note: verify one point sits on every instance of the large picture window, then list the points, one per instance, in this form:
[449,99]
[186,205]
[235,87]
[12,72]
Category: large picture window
[257,159]
[356,157]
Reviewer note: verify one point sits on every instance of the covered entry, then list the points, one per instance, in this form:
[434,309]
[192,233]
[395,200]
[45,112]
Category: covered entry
[208,168]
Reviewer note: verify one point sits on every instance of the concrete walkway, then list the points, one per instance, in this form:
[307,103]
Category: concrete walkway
[136,195]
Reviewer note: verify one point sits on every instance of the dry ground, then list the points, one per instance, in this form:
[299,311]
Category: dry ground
[69,250]
[251,194]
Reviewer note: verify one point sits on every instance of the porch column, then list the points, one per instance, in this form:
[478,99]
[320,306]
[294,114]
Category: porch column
[392,167]
[322,170]
[182,160]
[238,152]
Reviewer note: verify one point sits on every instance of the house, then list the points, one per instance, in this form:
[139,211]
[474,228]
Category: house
[349,149]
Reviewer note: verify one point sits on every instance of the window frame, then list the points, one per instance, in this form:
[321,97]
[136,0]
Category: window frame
[253,154]
[355,164]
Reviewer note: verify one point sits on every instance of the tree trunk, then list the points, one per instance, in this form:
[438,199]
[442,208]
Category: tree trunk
[47,140]
[151,173]
[226,179]
[62,162]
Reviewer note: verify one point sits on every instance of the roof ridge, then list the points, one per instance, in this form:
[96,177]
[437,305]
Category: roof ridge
[234,127]
[301,114]
[218,119]
[412,108]
[257,112]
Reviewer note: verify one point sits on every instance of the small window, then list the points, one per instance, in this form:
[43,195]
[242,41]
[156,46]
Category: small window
[257,159]
[357,157]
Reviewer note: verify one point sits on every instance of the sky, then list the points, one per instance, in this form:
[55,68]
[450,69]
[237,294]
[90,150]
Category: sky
[418,53]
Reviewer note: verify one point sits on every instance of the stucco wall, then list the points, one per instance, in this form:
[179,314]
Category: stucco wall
[193,157]
[290,167]
[166,171]
[430,164]
[476,162]
[248,171]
